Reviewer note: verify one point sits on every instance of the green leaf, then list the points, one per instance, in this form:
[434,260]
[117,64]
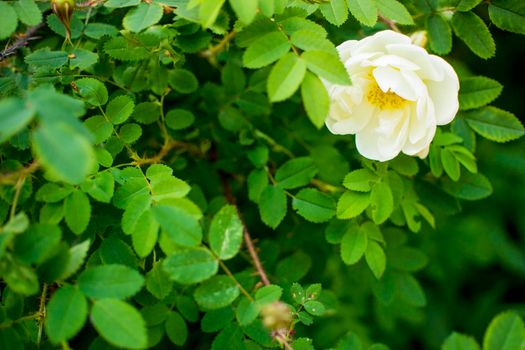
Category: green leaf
[477,92]
[268,294]
[458,341]
[313,205]
[208,11]
[272,205]
[216,320]
[294,267]
[266,49]
[98,30]
[121,49]
[191,266]
[508,15]
[77,211]
[505,332]
[469,186]
[353,245]
[119,323]
[28,12]
[77,255]
[66,314]
[176,329]
[10,339]
[101,187]
[360,180]
[216,293]
[314,307]
[158,282]
[351,204]
[8,20]
[474,32]
[142,17]
[93,91]
[410,290]
[130,132]
[46,58]
[82,59]
[246,312]
[245,9]
[226,232]
[404,165]
[295,173]
[99,127]
[181,227]
[178,119]
[231,337]
[64,152]
[365,11]
[183,80]
[394,10]
[257,182]
[439,34]
[121,3]
[285,77]
[145,234]
[315,99]
[467,5]
[327,66]
[495,124]
[450,164]
[120,109]
[382,202]
[335,11]
[310,40]
[110,281]
[15,115]
[375,258]
[38,243]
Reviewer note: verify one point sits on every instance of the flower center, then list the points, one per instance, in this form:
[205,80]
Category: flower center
[384,100]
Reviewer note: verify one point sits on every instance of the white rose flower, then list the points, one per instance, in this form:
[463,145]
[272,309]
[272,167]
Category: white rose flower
[399,93]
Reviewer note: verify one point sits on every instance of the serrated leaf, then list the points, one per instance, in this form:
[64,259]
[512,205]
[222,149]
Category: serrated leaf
[191,266]
[8,20]
[28,12]
[458,341]
[266,49]
[450,164]
[245,9]
[180,226]
[124,50]
[394,10]
[315,99]
[508,15]
[410,290]
[110,281]
[176,329]
[478,91]
[66,314]
[469,187]
[351,204]
[46,58]
[158,282]
[93,91]
[353,245]
[382,202]
[15,115]
[119,323]
[313,205]
[77,210]
[268,294]
[474,32]
[285,77]
[272,205]
[327,66]
[226,232]
[98,30]
[145,234]
[335,11]
[82,59]
[120,109]
[142,17]
[439,34]
[495,124]
[314,307]
[216,293]
[208,11]
[365,11]
[505,332]
[375,258]
[467,5]
[295,173]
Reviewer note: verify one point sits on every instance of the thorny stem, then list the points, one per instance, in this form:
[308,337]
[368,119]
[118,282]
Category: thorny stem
[212,51]
[22,40]
[42,313]
[247,237]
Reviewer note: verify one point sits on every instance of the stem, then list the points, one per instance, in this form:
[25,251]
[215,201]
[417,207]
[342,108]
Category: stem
[18,188]
[391,24]
[42,314]
[230,274]
[13,178]
[212,51]
[21,41]
[247,238]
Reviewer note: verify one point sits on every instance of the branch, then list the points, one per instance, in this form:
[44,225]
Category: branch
[247,238]
[391,24]
[13,177]
[212,51]
[22,40]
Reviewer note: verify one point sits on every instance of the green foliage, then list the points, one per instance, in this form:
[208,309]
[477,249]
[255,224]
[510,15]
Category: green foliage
[166,180]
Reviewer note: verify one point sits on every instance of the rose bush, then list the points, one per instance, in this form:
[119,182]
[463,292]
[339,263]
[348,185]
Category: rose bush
[399,94]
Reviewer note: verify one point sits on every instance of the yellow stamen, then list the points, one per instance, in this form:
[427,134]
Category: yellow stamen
[384,100]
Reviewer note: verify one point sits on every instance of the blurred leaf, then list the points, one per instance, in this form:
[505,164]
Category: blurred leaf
[66,314]
[226,233]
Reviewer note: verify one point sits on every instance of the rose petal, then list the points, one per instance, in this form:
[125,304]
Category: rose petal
[444,93]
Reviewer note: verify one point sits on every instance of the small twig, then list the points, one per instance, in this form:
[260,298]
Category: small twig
[212,51]
[22,40]
[391,24]
[13,177]
[247,238]
[230,274]
[42,313]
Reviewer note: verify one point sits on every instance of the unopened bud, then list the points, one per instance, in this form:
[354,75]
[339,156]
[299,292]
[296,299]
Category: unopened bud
[276,316]
[419,38]
[64,11]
